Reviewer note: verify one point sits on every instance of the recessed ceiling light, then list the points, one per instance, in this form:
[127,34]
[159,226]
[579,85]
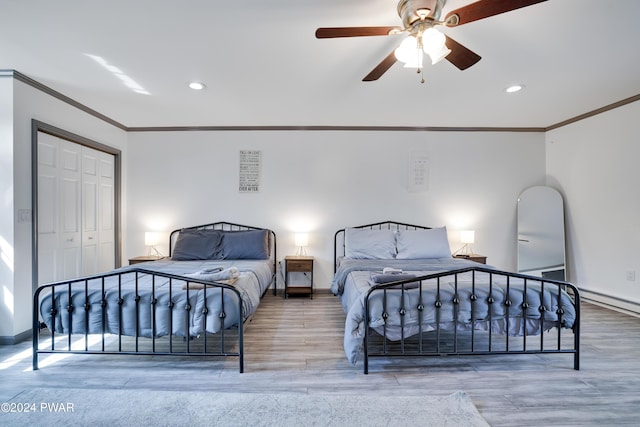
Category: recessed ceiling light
[514,88]
[196,85]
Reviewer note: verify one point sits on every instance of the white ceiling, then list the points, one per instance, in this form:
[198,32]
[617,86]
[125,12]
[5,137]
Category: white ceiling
[263,65]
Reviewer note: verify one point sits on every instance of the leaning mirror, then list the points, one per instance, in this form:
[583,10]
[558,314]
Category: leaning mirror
[541,233]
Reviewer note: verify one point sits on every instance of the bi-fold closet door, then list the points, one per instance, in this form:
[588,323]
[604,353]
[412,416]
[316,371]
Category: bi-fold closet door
[76,215]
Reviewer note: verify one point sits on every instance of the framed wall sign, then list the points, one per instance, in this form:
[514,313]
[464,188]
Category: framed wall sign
[418,172]
[250,171]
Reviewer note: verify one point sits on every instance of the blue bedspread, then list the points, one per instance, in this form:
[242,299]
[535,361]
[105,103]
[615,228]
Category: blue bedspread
[161,309]
[353,280]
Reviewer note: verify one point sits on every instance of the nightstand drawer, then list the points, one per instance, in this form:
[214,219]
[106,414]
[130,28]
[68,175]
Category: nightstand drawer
[299,265]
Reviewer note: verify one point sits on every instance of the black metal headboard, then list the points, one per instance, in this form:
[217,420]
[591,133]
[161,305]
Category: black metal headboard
[229,226]
[338,238]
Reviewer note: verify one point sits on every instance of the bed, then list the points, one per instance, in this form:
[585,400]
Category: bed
[195,302]
[405,295]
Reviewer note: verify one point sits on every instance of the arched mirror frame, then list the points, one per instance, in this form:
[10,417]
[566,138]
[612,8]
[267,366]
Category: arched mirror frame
[541,233]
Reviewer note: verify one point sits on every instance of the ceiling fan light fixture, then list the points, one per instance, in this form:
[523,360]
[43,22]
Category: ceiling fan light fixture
[437,56]
[416,60]
[419,17]
[432,40]
[433,44]
[408,50]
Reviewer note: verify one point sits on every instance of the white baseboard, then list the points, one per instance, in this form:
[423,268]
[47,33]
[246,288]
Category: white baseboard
[614,303]
[8,340]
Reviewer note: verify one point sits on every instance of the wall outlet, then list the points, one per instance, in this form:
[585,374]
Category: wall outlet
[631,275]
[24,215]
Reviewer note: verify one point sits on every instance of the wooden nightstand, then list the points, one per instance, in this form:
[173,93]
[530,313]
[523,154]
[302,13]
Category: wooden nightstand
[298,264]
[144,258]
[473,257]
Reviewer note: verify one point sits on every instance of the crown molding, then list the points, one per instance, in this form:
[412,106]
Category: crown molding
[332,128]
[595,112]
[61,97]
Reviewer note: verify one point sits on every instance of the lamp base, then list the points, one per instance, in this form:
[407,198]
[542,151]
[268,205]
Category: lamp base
[465,250]
[154,252]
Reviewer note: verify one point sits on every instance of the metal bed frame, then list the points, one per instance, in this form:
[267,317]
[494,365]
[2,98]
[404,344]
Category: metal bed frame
[441,342]
[220,344]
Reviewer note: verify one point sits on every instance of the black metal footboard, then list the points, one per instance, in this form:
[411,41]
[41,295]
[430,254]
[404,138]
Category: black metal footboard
[472,311]
[138,312]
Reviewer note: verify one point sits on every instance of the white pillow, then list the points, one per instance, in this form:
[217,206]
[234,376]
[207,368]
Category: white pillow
[362,243]
[417,244]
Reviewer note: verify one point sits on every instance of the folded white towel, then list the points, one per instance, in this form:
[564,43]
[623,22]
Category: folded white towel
[389,270]
[226,274]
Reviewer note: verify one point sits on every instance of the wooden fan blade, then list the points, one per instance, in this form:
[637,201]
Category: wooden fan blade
[333,32]
[460,56]
[381,68]
[486,8]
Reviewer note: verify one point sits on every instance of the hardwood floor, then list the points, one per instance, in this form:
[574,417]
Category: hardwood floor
[295,346]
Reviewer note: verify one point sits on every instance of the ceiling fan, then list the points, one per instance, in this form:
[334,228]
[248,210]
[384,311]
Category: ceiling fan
[419,19]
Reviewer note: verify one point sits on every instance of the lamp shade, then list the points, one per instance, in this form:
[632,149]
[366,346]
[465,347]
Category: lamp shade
[151,238]
[301,239]
[467,236]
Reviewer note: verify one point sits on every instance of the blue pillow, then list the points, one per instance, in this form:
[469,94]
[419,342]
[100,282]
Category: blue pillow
[423,244]
[247,244]
[197,244]
[363,243]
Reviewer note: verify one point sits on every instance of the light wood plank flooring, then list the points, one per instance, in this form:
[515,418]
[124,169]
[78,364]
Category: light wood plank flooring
[295,346]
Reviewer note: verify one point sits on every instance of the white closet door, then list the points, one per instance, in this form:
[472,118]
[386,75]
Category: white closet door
[76,214]
[59,230]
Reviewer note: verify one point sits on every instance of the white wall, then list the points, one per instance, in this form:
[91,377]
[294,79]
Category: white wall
[7,306]
[326,180]
[28,104]
[594,163]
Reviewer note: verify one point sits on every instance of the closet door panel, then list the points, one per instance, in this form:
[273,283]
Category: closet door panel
[89,207]
[89,259]
[71,260]
[70,238]
[47,205]
[69,203]
[47,228]
[70,200]
[106,213]
[90,236]
[89,191]
[106,253]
